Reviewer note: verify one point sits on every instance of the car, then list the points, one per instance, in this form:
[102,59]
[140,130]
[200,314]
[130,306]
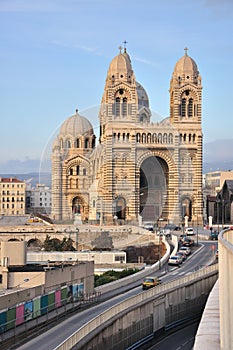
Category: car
[189,231]
[148,226]
[213,236]
[150,282]
[186,250]
[187,242]
[165,232]
[172,227]
[175,260]
[182,255]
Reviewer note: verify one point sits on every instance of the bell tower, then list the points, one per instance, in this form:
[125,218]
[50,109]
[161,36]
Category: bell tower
[185,116]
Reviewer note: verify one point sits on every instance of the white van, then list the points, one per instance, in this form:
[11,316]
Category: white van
[189,231]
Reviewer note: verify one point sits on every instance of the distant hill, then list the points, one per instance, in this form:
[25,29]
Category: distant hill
[32,178]
[209,167]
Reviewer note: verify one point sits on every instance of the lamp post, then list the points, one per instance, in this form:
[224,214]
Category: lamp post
[223,214]
[76,238]
[217,203]
[101,211]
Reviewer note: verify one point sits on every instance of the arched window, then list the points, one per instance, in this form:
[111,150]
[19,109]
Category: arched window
[138,137]
[154,138]
[84,172]
[159,138]
[124,107]
[194,137]
[183,107]
[181,138]
[149,138]
[71,171]
[143,138]
[86,143]
[77,170]
[170,138]
[190,107]
[117,106]
[77,143]
[184,137]
[190,137]
[68,144]
[165,138]
[76,183]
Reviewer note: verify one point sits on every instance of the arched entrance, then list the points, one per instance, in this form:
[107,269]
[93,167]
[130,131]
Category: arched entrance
[119,207]
[78,207]
[186,208]
[153,189]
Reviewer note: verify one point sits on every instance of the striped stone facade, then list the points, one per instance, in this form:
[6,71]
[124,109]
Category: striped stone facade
[140,170]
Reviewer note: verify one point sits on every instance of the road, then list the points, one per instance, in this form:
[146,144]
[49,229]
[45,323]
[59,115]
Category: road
[56,335]
[182,339]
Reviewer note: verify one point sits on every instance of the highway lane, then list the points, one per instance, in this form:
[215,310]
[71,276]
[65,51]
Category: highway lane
[56,335]
[182,339]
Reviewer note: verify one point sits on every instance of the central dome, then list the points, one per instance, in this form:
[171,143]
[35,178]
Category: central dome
[75,126]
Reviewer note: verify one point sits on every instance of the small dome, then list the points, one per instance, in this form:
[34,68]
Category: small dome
[76,125]
[186,69]
[143,99]
[120,67]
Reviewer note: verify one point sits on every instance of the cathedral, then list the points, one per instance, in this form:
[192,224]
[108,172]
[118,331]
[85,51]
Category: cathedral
[138,170]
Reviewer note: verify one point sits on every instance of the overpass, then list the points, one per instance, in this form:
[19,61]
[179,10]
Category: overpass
[215,328]
[146,314]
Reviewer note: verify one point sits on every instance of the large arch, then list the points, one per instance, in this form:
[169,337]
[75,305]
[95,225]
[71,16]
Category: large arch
[153,188]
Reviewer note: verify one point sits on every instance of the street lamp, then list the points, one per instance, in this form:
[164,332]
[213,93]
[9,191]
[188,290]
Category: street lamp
[223,214]
[76,238]
[217,203]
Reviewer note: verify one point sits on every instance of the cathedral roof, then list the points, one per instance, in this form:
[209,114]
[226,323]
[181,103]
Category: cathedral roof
[76,125]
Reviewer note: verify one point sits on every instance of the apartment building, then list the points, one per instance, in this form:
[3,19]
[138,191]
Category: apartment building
[38,199]
[12,196]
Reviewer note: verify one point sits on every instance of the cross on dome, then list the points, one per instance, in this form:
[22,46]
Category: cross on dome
[186,50]
[125,42]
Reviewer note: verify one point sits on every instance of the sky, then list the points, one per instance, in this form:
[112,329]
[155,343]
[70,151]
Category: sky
[54,57]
